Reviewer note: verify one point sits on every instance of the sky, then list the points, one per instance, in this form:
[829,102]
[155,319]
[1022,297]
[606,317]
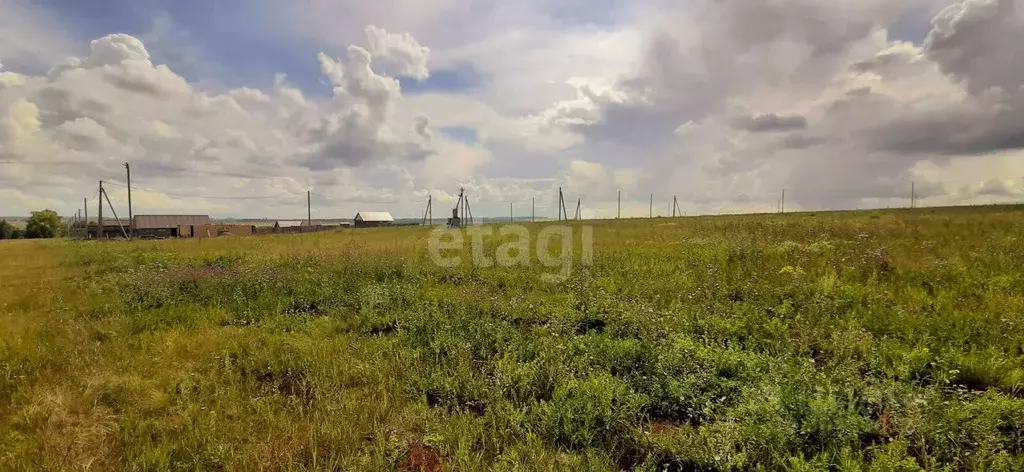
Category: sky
[238,108]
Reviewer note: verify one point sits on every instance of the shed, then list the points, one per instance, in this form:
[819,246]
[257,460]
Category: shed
[367,219]
[289,223]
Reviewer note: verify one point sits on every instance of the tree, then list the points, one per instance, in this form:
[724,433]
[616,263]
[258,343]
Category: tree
[42,224]
[6,230]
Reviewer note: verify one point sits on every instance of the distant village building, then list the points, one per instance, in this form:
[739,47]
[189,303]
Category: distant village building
[302,226]
[168,226]
[370,219]
[331,224]
[217,230]
[289,223]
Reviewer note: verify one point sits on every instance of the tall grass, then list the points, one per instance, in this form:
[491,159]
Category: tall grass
[832,341]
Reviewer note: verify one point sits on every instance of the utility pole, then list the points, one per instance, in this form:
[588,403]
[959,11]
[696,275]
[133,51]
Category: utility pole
[782,204]
[428,213]
[913,194]
[131,220]
[511,216]
[652,207]
[85,204]
[560,204]
[561,199]
[103,194]
[99,221]
[533,210]
[579,205]
[309,210]
[618,213]
[462,204]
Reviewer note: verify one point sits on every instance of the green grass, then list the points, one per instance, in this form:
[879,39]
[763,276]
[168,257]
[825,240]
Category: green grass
[887,340]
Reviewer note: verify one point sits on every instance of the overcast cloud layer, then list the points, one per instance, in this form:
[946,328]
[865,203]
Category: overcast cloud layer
[379,105]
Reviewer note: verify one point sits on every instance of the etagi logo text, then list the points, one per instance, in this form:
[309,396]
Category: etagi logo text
[518,247]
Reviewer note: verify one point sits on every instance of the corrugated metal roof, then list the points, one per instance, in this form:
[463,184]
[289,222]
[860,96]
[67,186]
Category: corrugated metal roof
[169,221]
[381,216]
[289,223]
[311,223]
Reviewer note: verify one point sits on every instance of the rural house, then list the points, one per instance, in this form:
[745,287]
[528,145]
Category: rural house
[370,219]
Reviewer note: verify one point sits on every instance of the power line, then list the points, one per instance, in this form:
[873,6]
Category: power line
[200,173]
[549,191]
[197,172]
[368,202]
[205,197]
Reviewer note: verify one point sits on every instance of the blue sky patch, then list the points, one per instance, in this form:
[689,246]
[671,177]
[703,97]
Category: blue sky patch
[224,42]
[461,134]
[459,79]
[597,13]
[912,27]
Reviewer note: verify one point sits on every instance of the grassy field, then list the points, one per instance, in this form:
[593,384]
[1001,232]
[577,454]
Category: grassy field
[888,340]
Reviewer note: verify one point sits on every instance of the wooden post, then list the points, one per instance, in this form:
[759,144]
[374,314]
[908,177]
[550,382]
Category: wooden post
[428,213]
[99,222]
[559,203]
[131,222]
[561,198]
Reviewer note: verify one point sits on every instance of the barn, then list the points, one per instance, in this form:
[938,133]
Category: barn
[167,226]
[370,219]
